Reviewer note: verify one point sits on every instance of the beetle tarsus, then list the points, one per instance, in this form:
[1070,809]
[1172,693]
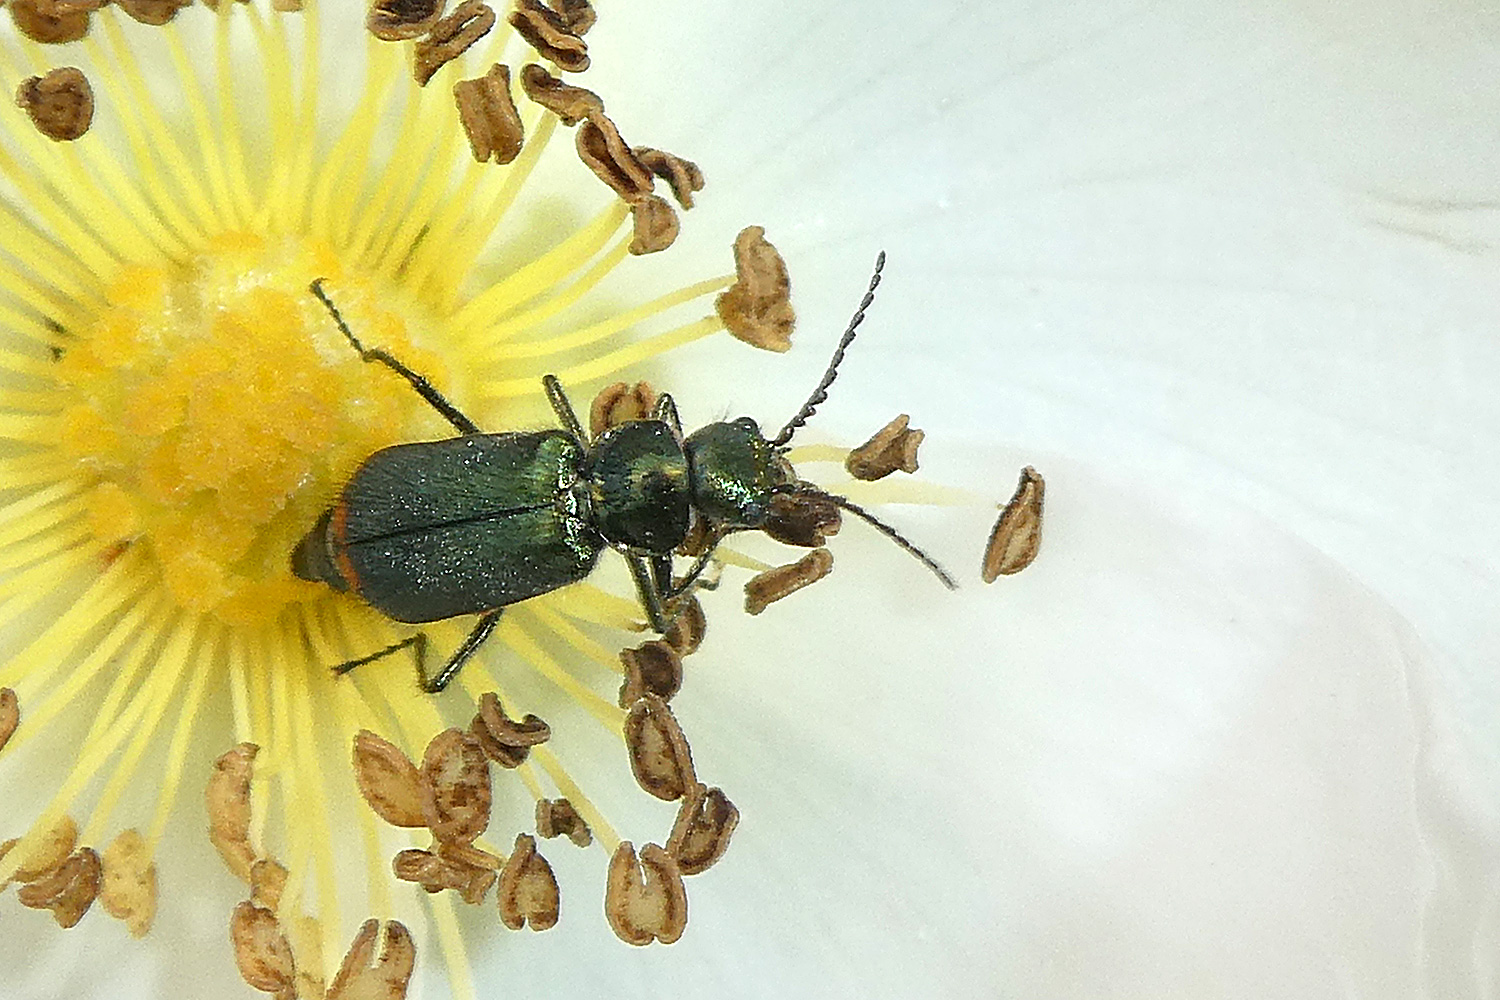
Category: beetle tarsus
[423,387]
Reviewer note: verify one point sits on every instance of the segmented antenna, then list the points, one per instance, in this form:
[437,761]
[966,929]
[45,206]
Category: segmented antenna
[880,526]
[820,394]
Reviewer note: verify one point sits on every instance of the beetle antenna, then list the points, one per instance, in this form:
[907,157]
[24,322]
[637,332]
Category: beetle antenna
[886,530]
[820,394]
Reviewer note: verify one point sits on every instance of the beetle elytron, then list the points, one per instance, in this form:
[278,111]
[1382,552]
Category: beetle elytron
[473,524]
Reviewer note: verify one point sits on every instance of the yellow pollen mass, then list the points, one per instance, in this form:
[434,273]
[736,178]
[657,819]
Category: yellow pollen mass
[219,409]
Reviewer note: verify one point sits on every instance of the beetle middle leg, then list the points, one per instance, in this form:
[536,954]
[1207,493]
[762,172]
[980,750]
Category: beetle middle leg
[660,595]
[434,684]
[423,387]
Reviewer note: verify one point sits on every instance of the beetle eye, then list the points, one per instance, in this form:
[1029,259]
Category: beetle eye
[748,423]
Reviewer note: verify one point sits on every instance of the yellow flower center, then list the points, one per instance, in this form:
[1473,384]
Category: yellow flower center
[220,409]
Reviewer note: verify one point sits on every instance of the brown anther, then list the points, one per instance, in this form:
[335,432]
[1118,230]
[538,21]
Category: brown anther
[450,37]
[655,225]
[892,447]
[128,887]
[653,667]
[700,836]
[5,848]
[577,15]
[569,103]
[397,20]
[388,977]
[10,715]
[455,787]
[551,34]
[435,873]
[764,589]
[659,753]
[228,798]
[267,882]
[687,630]
[609,157]
[388,780]
[644,898]
[49,23]
[153,12]
[48,853]
[558,818]
[489,115]
[1018,533]
[56,8]
[683,175]
[528,890]
[757,308]
[469,856]
[260,949]
[504,740]
[68,891]
[60,104]
[700,537]
[803,518]
[620,403]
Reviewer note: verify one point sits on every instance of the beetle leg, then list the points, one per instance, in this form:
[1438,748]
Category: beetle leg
[564,409]
[424,388]
[419,641]
[666,411]
[481,632]
[690,580]
[645,586]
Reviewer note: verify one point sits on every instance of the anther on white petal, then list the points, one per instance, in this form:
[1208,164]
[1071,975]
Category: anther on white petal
[450,37]
[804,518]
[128,887]
[388,780]
[528,892]
[455,787]
[644,898]
[570,103]
[68,890]
[49,24]
[764,589]
[683,175]
[228,799]
[267,883]
[659,754]
[489,116]
[60,104]
[261,951]
[10,715]
[607,154]
[434,873]
[551,34]
[577,15]
[705,821]
[656,225]
[397,20]
[654,667]
[47,853]
[757,308]
[504,740]
[892,447]
[618,403]
[558,818]
[686,633]
[153,12]
[1017,535]
[362,976]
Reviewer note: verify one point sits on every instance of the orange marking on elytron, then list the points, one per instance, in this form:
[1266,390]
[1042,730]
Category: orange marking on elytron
[340,525]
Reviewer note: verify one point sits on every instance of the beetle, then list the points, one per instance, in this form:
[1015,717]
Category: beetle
[473,524]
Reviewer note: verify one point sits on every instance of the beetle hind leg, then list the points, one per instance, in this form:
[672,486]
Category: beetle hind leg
[419,641]
[418,644]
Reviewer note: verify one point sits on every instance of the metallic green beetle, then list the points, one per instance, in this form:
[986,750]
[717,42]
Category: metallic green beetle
[474,524]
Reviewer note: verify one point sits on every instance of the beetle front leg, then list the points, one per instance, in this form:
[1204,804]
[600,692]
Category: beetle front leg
[646,589]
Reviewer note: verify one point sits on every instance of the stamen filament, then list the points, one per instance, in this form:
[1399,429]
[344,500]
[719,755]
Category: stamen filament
[608,364]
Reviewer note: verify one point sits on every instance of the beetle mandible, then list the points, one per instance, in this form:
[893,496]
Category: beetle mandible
[473,524]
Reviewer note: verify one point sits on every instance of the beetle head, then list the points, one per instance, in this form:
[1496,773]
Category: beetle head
[734,472]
